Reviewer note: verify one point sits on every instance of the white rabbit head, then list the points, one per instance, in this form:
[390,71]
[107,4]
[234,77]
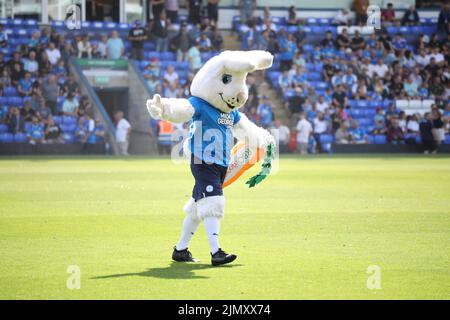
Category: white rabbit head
[221,80]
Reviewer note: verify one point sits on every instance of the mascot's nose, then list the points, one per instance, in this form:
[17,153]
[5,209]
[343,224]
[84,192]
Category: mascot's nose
[241,97]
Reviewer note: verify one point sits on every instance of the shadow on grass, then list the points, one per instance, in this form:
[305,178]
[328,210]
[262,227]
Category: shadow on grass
[173,271]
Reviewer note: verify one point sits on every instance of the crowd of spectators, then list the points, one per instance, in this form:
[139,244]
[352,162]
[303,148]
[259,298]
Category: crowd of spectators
[38,96]
[376,69]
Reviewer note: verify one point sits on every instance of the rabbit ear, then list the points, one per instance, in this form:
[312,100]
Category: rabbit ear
[246,61]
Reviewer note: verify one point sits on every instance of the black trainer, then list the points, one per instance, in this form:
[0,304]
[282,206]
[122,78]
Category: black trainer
[182,255]
[221,257]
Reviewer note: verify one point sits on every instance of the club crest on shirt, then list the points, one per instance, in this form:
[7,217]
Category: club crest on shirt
[225,119]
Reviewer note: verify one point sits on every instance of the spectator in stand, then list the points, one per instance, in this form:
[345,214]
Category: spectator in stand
[15,121]
[114,46]
[157,7]
[282,136]
[342,136]
[339,97]
[292,16]
[395,134]
[399,43]
[343,40]
[194,11]
[412,125]
[322,105]
[304,131]
[379,121]
[3,37]
[443,23]
[53,53]
[70,105]
[137,37]
[171,7]
[360,8]
[50,92]
[265,112]
[25,85]
[357,134]
[213,11]
[52,131]
[410,87]
[411,17]
[35,131]
[288,47]
[247,8]
[328,41]
[358,42]
[216,39]
[123,133]
[320,127]
[45,66]
[388,16]
[181,43]
[152,81]
[100,51]
[31,65]
[284,81]
[171,76]
[426,134]
[160,32]
[380,69]
[342,18]
[205,43]
[34,40]
[84,48]
[43,112]
[438,126]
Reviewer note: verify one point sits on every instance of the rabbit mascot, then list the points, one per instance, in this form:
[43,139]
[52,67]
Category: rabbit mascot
[218,91]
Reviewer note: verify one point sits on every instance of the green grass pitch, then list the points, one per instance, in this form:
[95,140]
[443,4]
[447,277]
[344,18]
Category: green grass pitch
[309,232]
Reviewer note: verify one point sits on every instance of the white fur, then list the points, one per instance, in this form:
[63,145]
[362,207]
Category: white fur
[247,131]
[190,208]
[170,109]
[213,206]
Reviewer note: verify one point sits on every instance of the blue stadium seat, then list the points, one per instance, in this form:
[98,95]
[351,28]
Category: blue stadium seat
[10,92]
[69,120]
[379,139]
[3,128]
[362,104]
[447,139]
[15,101]
[57,120]
[20,138]
[314,76]
[6,138]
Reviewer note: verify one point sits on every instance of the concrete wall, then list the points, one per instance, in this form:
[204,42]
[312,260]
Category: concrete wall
[141,141]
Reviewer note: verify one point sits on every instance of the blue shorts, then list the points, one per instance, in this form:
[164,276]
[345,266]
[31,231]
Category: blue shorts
[208,179]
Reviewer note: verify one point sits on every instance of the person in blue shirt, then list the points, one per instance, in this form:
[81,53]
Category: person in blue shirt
[25,85]
[114,46]
[357,134]
[35,131]
[265,113]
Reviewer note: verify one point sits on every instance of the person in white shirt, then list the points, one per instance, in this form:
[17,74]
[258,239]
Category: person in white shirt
[171,76]
[321,104]
[412,125]
[53,54]
[422,59]
[282,135]
[380,69]
[123,131]
[342,18]
[304,130]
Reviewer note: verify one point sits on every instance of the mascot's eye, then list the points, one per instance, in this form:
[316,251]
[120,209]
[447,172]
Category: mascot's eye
[226,78]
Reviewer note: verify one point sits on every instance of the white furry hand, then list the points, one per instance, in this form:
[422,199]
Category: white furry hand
[266,138]
[155,107]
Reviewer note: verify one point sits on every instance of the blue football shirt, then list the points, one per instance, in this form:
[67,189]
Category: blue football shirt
[210,132]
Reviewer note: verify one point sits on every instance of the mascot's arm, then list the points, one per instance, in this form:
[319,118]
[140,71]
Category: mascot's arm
[247,131]
[170,109]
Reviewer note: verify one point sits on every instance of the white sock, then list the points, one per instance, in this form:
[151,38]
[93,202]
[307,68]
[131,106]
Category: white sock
[189,227]
[212,226]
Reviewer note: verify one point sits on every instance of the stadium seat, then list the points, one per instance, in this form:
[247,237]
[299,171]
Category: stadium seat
[3,128]
[20,138]
[379,139]
[6,138]
[447,139]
